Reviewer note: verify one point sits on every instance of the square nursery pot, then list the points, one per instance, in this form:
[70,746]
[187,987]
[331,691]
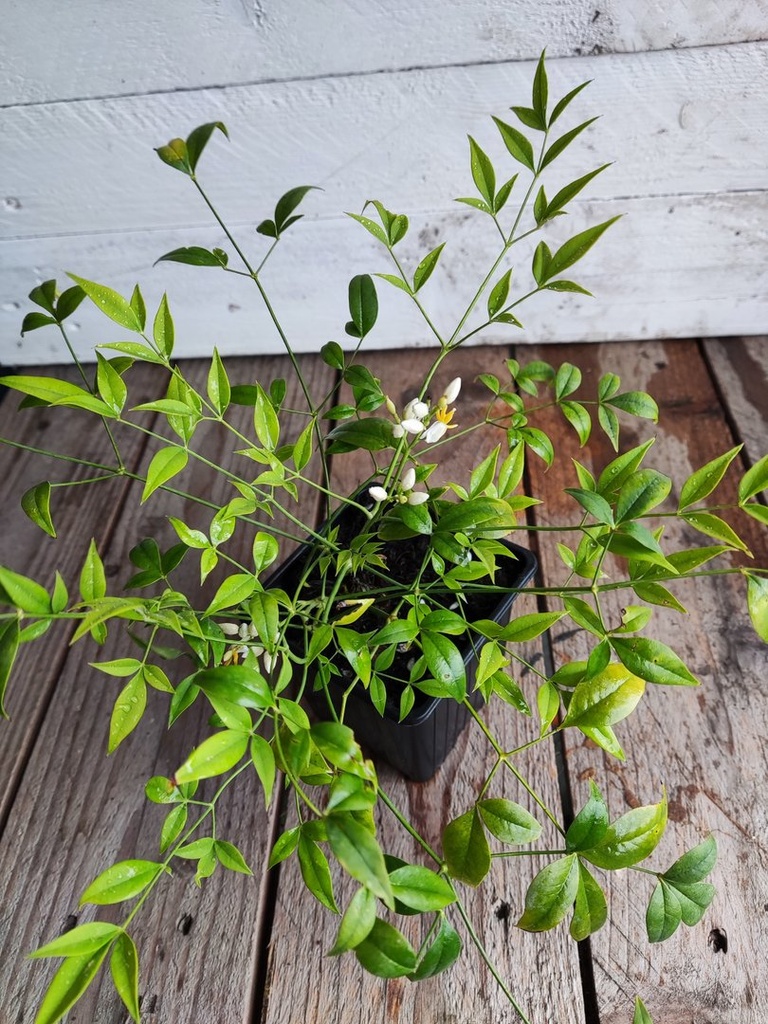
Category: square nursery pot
[418,745]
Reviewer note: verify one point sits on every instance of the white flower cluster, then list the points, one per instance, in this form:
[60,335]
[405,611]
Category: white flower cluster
[416,421]
[246,634]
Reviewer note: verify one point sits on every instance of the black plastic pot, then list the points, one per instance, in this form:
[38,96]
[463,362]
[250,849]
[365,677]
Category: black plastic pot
[419,744]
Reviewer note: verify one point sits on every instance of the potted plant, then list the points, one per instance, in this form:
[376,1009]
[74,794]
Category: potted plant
[394,611]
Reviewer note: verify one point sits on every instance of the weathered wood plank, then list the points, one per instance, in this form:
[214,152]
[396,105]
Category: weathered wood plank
[51,57]
[71,832]
[25,548]
[398,137]
[706,745]
[703,280]
[740,366]
[542,974]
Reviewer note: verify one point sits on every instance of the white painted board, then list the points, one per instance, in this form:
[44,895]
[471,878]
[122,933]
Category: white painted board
[91,48]
[668,269]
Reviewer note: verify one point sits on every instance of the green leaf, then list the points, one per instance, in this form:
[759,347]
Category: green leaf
[193,255]
[631,838]
[233,591]
[465,847]
[166,463]
[705,480]
[44,295]
[162,328]
[219,390]
[265,420]
[69,983]
[593,503]
[302,450]
[664,913]
[198,139]
[540,90]
[609,421]
[653,661]
[215,756]
[757,603]
[9,645]
[590,825]
[372,227]
[754,480]
[529,118]
[24,593]
[577,415]
[557,147]
[230,857]
[577,247]
[82,940]
[641,493]
[124,966]
[441,954]
[570,191]
[173,826]
[110,303]
[111,385]
[446,664]
[363,305]
[357,922]
[563,103]
[127,712]
[265,615]
[641,1015]
[517,144]
[36,503]
[263,759]
[637,403]
[121,882]
[424,270]
[265,551]
[551,895]
[397,282]
[695,864]
[508,821]
[483,174]
[713,526]
[34,320]
[605,698]
[385,952]
[499,294]
[93,580]
[359,854]
[68,302]
[528,627]
[53,391]
[590,911]
[421,889]
[135,350]
[287,203]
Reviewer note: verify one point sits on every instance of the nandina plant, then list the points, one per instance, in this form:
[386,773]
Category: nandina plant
[388,596]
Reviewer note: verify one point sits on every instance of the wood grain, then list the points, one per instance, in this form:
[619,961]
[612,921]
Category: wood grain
[706,745]
[48,56]
[78,812]
[740,368]
[545,979]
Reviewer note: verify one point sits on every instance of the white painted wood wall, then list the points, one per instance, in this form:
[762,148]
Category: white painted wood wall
[374,98]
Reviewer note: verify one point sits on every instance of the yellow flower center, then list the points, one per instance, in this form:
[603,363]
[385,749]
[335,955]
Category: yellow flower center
[445,415]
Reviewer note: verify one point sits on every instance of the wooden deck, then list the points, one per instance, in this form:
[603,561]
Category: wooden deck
[251,949]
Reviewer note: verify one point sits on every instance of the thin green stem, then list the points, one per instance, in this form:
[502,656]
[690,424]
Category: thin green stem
[489,963]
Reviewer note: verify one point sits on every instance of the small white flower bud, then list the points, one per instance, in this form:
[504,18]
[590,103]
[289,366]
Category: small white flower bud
[408,412]
[378,493]
[451,393]
[397,431]
[417,497]
[408,479]
[412,426]
[391,408]
[229,628]
[420,410]
[435,432]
